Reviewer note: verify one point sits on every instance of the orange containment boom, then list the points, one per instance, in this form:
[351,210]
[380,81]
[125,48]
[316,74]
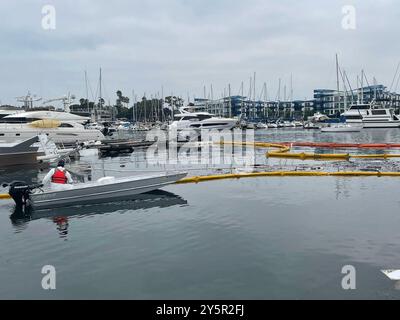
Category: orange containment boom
[334,145]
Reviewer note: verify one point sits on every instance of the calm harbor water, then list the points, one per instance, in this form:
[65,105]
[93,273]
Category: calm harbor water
[261,238]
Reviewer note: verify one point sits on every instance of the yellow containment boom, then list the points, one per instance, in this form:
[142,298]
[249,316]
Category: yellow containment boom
[198,179]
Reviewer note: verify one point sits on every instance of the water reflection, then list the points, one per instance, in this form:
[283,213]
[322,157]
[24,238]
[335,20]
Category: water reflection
[341,188]
[60,216]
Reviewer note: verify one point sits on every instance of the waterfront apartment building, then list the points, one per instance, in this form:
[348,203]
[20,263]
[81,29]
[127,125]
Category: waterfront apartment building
[333,103]
[327,101]
[244,108]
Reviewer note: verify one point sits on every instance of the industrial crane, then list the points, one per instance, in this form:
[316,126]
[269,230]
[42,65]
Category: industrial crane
[28,100]
[67,101]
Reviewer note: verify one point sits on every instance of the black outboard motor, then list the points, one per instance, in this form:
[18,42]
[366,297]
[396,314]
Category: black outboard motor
[19,191]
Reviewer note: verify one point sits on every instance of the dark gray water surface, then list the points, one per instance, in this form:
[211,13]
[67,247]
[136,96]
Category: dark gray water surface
[260,238]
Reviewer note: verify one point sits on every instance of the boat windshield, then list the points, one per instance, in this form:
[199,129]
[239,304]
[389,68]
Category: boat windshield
[379,112]
[360,107]
[204,116]
[193,117]
[18,120]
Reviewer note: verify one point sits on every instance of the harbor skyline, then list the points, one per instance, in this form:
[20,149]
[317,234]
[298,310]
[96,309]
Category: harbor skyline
[200,44]
[197,150]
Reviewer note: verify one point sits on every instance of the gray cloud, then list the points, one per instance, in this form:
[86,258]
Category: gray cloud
[183,45]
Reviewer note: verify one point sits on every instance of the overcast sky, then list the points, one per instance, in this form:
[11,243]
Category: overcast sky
[183,45]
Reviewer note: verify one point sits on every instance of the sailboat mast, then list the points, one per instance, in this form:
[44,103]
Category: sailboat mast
[87,94]
[254,97]
[241,107]
[362,86]
[230,101]
[265,100]
[86,86]
[249,106]
[100,93]
[291,96]
[279,98]
[337,82]
[133,106]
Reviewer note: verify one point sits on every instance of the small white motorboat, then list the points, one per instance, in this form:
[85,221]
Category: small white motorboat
[106,189]
[261,125]
[297,123]
[310,126]
[342,127]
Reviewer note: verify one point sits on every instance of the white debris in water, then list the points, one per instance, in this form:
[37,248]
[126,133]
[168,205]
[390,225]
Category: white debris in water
[106,180]
[392,274]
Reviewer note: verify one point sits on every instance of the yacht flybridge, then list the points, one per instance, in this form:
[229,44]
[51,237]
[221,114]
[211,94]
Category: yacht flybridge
[356,112]
[201,121]
[30,116]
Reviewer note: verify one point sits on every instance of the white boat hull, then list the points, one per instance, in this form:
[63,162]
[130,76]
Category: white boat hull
[342,129]
[24,153]
[387,124]
[224,124]
[13,133]
[99,193]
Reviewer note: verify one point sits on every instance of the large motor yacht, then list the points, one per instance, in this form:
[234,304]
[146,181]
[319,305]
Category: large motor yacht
[60,127]
[201,121]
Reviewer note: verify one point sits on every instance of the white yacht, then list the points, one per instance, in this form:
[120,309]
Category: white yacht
[59,126]
[201,121]
[318,117]
[95,126]
[380,118]
[356,112]
[57,131]
[30,116]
